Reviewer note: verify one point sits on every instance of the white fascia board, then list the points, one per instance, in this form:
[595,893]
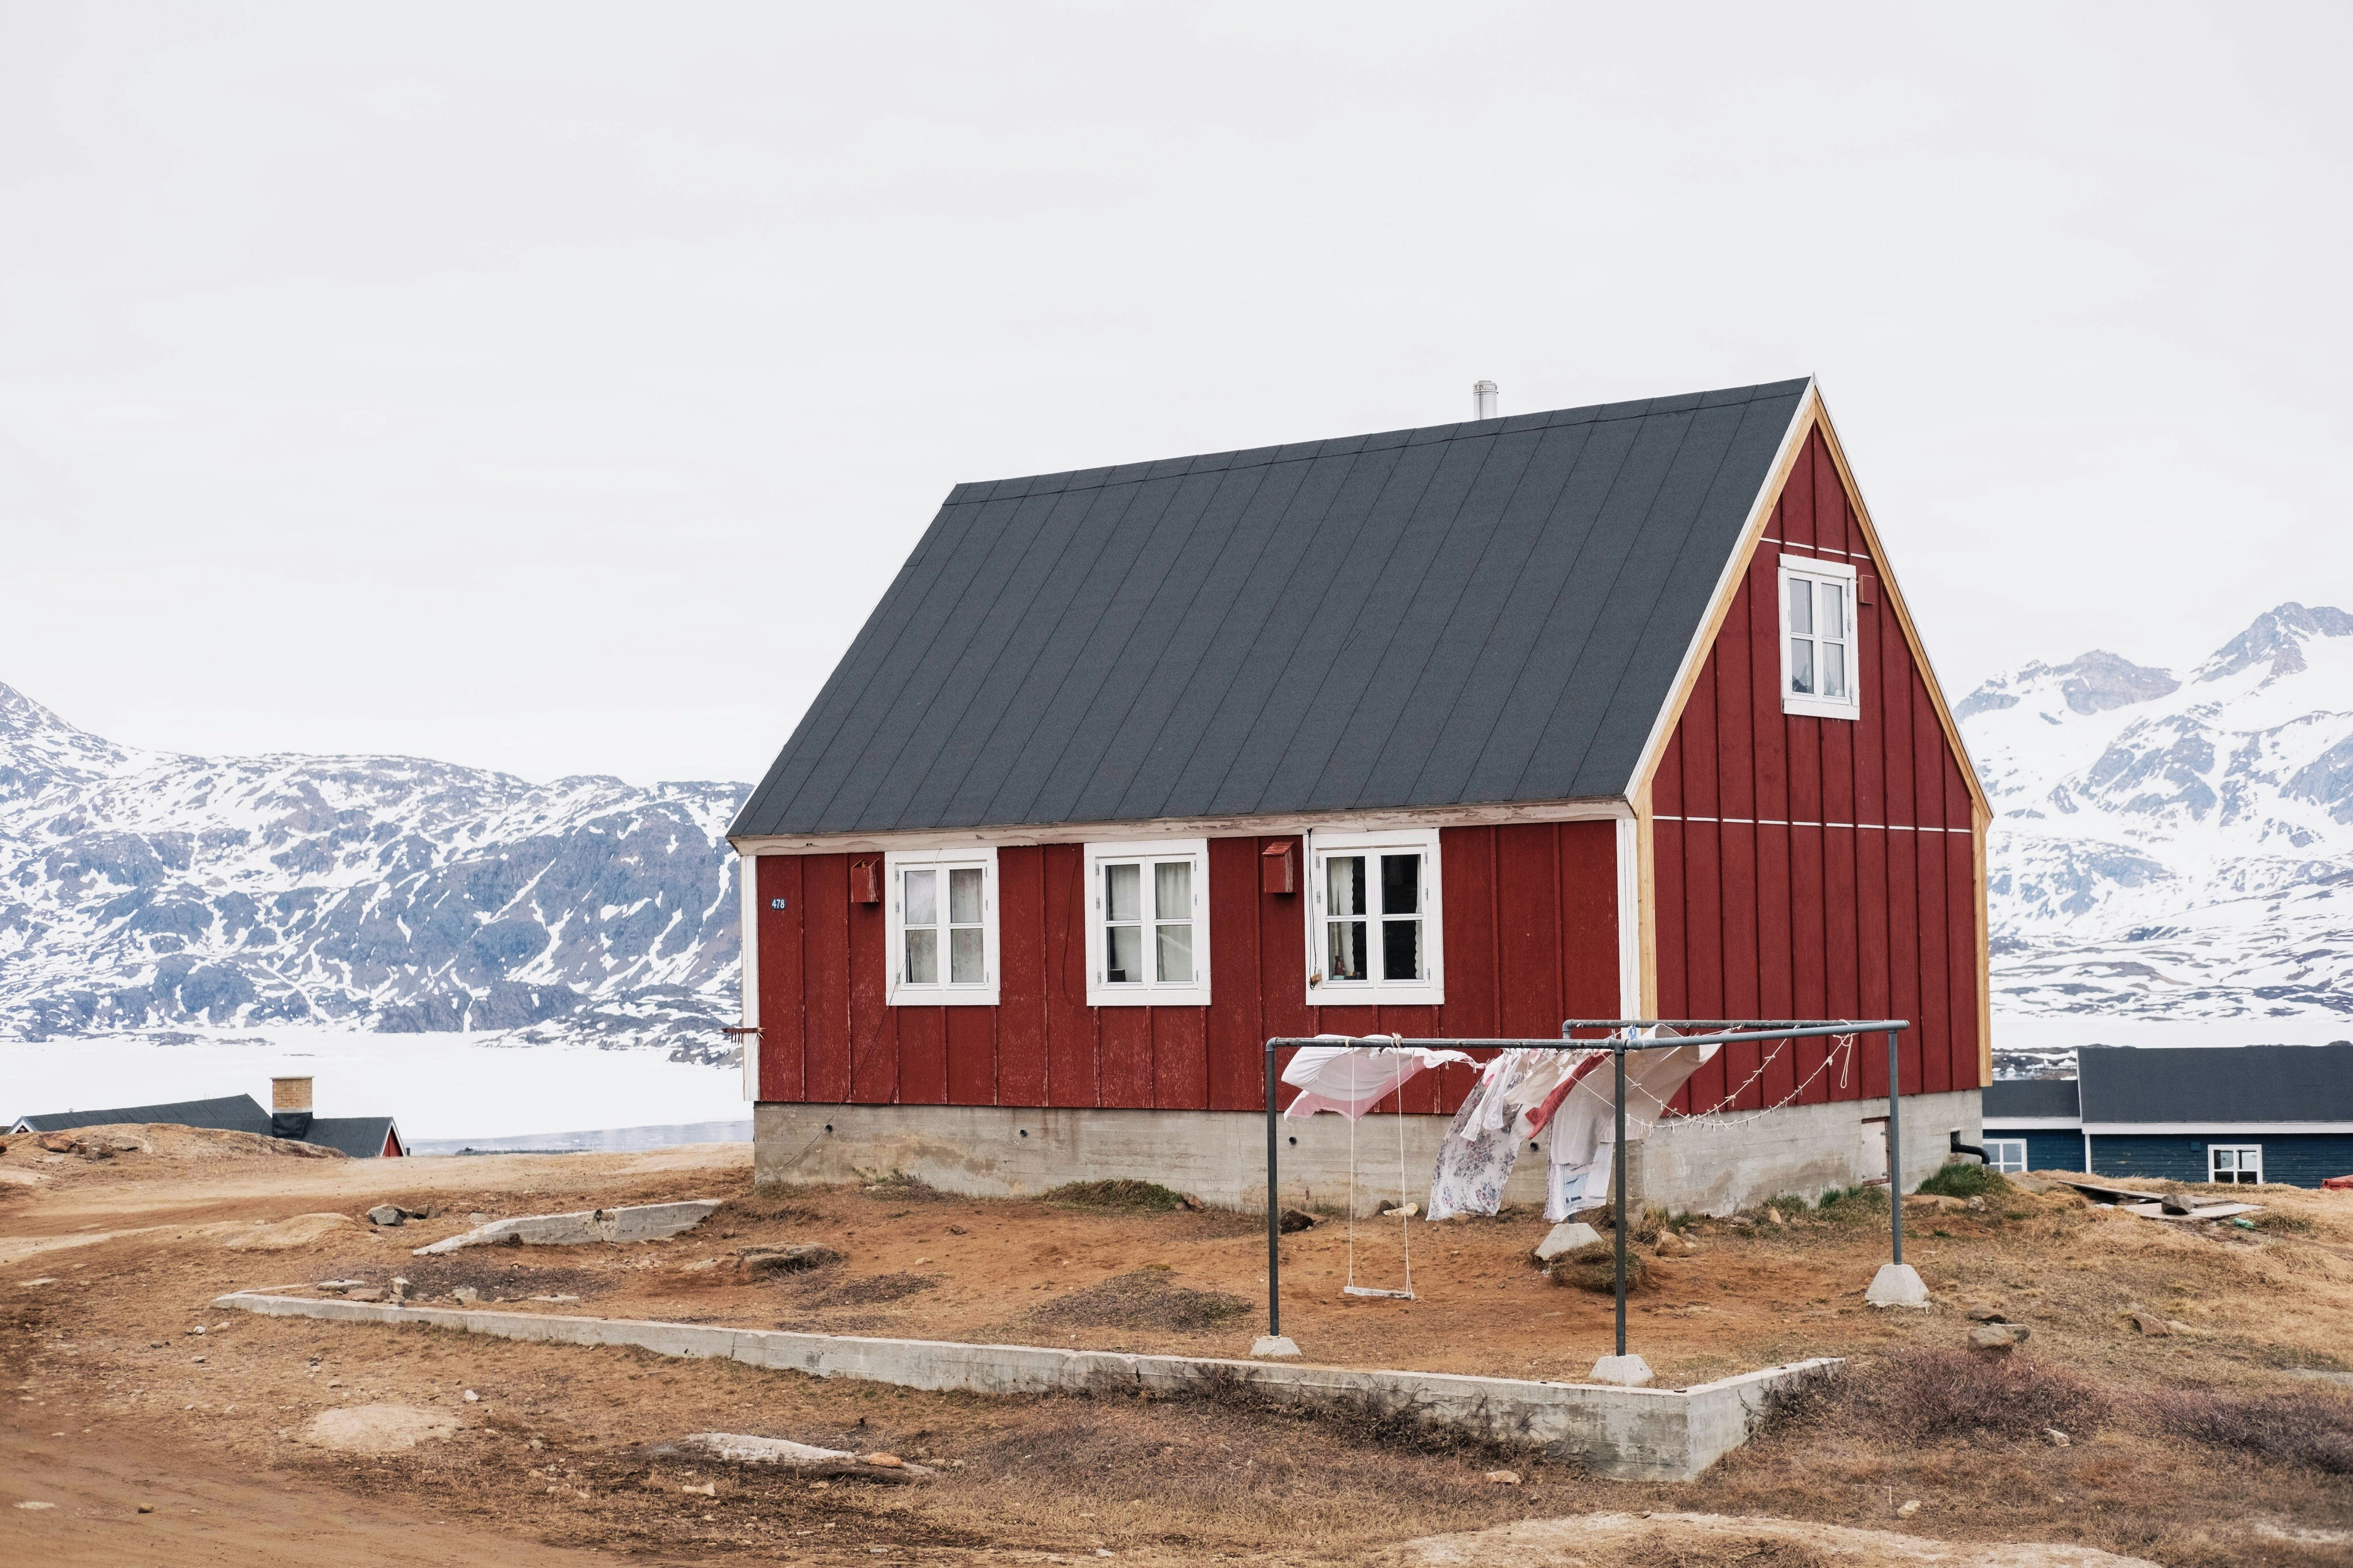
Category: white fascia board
[1630,918]
[748,940]
[2033,1124]
[1727,583]
[1610,808]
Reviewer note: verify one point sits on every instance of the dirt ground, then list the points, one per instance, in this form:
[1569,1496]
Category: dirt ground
[106,1267]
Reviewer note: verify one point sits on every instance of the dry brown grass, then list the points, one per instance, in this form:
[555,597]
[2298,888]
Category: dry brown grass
[1144,1299]
[2309,1428]
[1920,1396]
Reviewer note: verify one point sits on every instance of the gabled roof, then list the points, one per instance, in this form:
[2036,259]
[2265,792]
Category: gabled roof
[2217,1084]
[1492,612]
[2040,1097]
[235,1113]
[361,1137]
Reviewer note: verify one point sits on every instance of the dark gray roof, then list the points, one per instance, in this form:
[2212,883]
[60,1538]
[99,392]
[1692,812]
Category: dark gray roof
[1486,612]
[2028,1097]
[2217,1085]
[237,1113]
[361,1137]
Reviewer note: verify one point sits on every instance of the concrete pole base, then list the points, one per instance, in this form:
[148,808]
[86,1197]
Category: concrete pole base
[1897,1285]
[1275,1346]
[1625,1370]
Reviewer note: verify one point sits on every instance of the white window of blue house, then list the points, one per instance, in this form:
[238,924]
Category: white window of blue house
[2234,1162]
[2006,1154]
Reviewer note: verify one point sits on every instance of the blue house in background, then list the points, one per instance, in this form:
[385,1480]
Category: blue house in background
[2227,1113]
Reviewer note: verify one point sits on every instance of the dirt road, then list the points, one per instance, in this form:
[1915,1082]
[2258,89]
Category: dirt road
[107,1266]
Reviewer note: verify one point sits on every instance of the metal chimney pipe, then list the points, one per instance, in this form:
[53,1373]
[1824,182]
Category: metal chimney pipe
[1483,400]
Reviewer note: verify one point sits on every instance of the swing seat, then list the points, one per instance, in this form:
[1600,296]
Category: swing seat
[1384,1295]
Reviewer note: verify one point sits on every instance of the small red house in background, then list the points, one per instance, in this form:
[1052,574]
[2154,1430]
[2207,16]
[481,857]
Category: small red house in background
[1453,732]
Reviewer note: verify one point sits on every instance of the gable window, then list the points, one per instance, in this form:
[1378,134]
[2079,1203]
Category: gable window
[1374,932]
[1820,675]
[2007,1155]
[1148,924]
[2232,1163]
[942,926]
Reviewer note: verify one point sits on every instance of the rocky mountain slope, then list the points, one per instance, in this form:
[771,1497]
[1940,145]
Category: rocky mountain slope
[2166,848]
[2173,848]
[144,890]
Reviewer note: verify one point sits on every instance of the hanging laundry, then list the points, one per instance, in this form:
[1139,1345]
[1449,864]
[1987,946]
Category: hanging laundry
[1351,1077]
[1583,1149]
[1476,1156]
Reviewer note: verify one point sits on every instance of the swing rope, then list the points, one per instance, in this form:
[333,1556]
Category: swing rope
[1405,1221]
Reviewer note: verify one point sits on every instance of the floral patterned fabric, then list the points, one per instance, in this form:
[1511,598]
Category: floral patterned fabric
[1475,1159]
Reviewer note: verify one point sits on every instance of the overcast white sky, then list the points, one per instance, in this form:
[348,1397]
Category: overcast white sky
[555,387]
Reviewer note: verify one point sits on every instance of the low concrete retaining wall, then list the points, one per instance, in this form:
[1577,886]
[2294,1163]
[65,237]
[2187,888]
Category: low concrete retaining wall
[1635,1434]
[1703,1165]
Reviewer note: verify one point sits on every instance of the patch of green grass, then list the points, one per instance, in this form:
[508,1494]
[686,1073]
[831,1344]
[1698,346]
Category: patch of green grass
[2283,1224]
[1853,1205]
[1120,1195]
[1963,1179]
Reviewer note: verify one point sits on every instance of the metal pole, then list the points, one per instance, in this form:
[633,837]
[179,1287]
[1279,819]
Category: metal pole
[1621,1174]
[1894,1145]
[1273,1215]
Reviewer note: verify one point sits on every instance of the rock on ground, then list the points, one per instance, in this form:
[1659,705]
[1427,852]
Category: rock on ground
[377,1428]
[1599,1537]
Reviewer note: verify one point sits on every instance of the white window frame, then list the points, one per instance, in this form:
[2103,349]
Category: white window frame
[2241,1153]
[1426,992]
[2007,1155]
[900,992]
[1809,569]
[1153,992]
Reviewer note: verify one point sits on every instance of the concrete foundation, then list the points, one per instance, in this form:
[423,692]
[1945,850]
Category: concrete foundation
[1706,1166]
[1634,1434]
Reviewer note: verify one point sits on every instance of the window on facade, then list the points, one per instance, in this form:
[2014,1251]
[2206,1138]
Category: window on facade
[2006,1154]
[942,926]
[1374,932]
[1147,928]
[2234,1163]
[1820,674]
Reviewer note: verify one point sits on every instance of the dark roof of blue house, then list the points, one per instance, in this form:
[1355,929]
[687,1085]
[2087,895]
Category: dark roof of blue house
[1479,613]
[2217,1084]
[2042,1097]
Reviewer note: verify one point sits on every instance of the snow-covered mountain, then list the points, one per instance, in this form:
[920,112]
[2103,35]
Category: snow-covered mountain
[144,890]
[2168,848]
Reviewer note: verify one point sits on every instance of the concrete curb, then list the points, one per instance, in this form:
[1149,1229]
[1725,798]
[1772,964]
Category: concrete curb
[1633,1433]
[644,1222]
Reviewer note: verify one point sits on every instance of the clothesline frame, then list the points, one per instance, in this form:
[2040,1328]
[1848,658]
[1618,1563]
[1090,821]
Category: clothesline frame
[1724,1032]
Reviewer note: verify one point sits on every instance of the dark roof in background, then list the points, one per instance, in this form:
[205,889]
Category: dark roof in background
[1485,612]
[2218,1084]
[361,1137]
[2028,1097]
[236,1113]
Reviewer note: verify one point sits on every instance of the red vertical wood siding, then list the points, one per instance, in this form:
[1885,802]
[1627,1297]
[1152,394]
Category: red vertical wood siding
[1817,868]
[1530,934]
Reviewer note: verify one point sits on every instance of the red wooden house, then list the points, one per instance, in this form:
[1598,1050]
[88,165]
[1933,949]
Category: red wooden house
[1451,731]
